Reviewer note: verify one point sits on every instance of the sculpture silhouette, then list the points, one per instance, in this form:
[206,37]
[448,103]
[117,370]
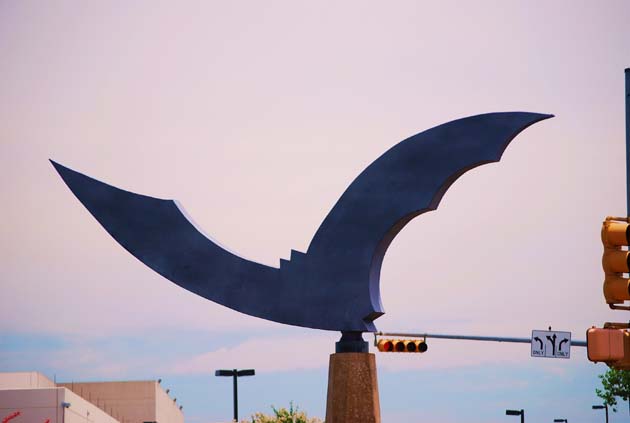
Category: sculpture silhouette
[335,284]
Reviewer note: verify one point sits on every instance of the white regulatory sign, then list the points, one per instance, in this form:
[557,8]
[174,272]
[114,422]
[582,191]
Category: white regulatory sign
[551,344]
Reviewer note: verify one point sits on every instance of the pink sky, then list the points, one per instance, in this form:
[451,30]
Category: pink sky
[256,116]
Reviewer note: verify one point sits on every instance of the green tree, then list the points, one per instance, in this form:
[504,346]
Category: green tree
[616,384]
[283,415]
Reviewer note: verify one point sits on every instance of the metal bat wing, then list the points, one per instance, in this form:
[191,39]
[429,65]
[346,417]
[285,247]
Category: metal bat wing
[335,285]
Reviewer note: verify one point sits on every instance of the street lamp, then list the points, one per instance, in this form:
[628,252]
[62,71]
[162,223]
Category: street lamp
[516,413]
[560,421]
[235,375]
[600,407]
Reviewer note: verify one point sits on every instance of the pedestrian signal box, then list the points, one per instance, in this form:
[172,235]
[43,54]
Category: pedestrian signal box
[616,261]
[402,345]
[610,345]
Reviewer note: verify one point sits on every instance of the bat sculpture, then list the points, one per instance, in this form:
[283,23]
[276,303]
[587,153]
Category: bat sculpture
[335,284]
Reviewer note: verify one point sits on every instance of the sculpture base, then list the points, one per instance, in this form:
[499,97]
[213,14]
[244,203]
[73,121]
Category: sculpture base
[352,389]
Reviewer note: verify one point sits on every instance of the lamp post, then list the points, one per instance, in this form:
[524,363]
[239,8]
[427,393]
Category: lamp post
[235,375]
[560,421]
[600,407]
[520,412]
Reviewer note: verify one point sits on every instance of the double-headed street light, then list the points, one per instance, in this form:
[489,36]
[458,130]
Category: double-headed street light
[235,375]
[602,407]
[516,413]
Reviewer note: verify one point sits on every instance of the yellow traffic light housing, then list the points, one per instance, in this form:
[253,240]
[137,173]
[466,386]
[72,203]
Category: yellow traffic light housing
[385,345]
[604,345]
[402,345]
[610,345]
[616,261]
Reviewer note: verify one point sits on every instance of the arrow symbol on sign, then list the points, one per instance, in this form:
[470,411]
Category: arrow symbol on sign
[539,340]
[562,342]
[552,339]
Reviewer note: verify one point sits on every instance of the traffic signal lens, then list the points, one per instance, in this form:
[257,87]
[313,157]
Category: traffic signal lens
[615,234]
[401,345]
[615,261]
[616,289]
[385,345]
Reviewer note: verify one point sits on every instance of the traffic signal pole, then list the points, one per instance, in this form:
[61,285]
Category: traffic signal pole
[470,338]
[627,72]
[611,344]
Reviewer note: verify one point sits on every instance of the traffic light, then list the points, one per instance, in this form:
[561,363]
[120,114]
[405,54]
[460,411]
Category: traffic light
[402,345]
[616,261]
[610,345]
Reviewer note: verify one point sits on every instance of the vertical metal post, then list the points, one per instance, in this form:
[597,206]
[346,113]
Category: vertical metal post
[607,404]
[235,395]
[522,416]
[235,373]
[627,72]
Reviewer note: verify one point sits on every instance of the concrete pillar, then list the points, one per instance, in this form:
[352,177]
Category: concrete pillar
[352,389]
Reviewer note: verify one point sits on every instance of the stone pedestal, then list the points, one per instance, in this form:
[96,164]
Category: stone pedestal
[352,389]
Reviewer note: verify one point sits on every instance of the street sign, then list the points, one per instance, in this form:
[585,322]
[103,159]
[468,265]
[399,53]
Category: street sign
[551,344]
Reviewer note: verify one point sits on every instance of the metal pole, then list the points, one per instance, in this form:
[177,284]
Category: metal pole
[607,404]
[470,338]
[522,416]
[235,395]
[627,72]
[462,337]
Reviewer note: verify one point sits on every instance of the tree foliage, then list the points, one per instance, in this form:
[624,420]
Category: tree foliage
[283,415]
[616,384]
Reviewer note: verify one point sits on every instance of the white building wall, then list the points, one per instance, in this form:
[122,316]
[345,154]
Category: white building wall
[131,401]
[82,411]
[24,380]
[39,399]
[34,405]
[167,410]
[45,404]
